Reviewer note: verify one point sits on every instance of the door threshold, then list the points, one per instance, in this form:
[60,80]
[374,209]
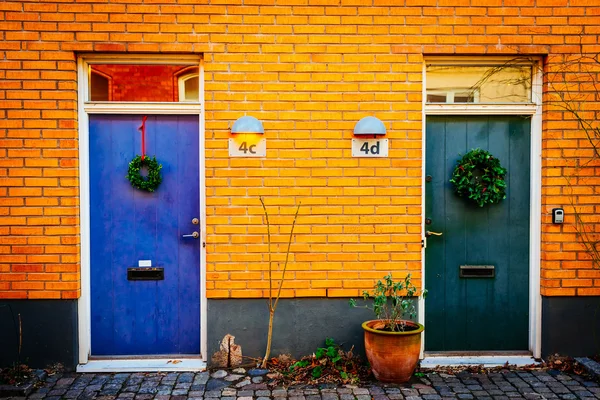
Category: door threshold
[486,359]
[143,365]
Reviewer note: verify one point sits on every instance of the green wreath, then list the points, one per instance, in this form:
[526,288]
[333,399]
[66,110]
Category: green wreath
[149,183]
[480,177]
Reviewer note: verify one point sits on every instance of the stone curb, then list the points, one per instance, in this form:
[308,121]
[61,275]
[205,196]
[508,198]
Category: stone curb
[26,388]
[591,366]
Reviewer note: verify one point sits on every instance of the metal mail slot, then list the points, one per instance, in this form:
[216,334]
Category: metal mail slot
[477,271]
[145,274]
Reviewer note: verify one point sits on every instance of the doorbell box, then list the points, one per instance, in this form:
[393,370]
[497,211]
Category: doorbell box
[558,215]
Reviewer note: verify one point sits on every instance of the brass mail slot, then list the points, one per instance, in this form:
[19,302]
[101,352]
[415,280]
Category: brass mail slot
[145,274]
[477,271]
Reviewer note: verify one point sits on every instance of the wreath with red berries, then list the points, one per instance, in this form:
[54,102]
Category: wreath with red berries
[479,177]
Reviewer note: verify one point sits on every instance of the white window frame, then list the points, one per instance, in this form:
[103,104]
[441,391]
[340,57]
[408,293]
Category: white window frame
[86,108]
[534,109]
[450,94]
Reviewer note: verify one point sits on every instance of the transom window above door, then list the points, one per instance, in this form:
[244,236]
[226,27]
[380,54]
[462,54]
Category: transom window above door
[506,83]
[113,80]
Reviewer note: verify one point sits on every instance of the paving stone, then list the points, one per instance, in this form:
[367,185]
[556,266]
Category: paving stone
[258,372]
[216,384]
[201,378]
[233,377]
[219,374]
[201,386]
[395,396]
[241,384]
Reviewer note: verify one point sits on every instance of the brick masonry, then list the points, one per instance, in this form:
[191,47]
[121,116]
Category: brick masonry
[309,69]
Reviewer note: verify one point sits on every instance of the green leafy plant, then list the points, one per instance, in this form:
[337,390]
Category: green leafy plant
[393,302]
[479,177]
[327,364]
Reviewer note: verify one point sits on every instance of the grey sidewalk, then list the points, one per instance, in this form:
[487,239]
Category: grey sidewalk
[245,386]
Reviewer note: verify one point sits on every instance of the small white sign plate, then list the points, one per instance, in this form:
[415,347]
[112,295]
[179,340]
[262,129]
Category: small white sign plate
[144,263]
[247,145]
[369,147]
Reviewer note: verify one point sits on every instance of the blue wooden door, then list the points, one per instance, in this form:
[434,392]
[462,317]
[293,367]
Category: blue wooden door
[469,311]
[136,317]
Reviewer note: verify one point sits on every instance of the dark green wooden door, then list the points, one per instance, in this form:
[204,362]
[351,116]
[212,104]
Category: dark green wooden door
[477,314]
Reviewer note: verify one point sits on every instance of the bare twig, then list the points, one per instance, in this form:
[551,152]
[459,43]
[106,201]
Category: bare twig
[273,304]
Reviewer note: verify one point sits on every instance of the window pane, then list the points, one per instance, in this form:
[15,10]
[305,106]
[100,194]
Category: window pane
[191,89]
[138,82]
[99,87]
[436,98]
[480,84]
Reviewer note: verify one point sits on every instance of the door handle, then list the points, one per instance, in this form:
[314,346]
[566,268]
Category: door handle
[194,235]
[430,233]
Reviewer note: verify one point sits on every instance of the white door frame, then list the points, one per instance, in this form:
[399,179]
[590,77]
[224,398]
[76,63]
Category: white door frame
[535,110]
[84,109]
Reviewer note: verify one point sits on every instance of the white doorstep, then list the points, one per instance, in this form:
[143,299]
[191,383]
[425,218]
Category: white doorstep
[486,361]
[143,365]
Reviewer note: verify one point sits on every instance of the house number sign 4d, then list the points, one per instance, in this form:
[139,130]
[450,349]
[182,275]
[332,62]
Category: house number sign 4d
[370,147]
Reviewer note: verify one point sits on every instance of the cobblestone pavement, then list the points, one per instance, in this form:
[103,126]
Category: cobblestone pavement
[246,385]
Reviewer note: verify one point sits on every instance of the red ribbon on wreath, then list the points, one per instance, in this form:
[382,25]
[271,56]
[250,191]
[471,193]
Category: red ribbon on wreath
[143,129]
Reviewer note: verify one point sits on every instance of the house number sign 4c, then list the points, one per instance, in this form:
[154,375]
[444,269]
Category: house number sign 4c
[247,145]
[370,147]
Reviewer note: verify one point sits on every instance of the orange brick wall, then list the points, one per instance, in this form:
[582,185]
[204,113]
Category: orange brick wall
[309,69]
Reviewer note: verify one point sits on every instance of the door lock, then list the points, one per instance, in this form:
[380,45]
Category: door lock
[195,221]
[430,233]
[194,235]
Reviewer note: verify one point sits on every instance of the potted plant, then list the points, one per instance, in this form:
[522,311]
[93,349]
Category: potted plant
[392,342]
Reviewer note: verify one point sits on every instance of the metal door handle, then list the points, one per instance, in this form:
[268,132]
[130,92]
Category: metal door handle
[429,233]
[194,235]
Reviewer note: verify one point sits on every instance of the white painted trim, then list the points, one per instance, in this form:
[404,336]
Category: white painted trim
[142,365]
[129,58]
[486,361]
[122,107]
[535,218]
[480,109]
[483,60]
[202,188]
[84,301]
[535,110]
[421,303]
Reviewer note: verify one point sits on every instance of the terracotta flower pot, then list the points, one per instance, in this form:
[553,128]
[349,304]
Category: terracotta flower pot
[393,355]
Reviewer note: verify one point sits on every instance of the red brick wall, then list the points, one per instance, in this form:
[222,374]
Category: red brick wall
[142,82]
